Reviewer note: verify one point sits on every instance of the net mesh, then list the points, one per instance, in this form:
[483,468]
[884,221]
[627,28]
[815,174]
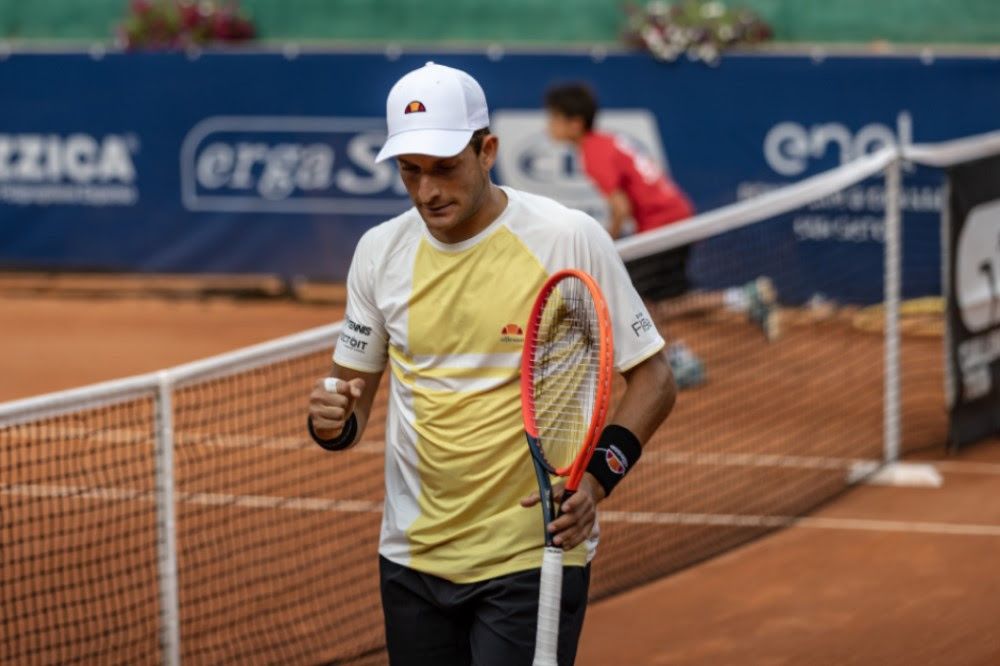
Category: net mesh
[276,539]
[275,544]
[782,367]
[78,576]
[921,321]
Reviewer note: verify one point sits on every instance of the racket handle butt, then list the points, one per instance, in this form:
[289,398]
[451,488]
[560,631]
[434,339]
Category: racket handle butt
[549,605]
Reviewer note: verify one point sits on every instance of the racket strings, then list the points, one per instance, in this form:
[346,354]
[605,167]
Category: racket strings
[565,364]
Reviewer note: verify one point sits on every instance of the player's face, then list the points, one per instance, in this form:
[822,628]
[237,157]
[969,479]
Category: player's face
[449,191]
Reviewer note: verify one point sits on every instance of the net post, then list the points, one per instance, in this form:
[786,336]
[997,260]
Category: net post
[166,523]
[892,286]
[946,250]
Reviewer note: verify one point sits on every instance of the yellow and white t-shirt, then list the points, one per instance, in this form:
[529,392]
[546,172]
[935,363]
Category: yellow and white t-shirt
[449,320]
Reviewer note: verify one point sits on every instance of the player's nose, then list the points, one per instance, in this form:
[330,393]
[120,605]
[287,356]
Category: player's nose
[427,190]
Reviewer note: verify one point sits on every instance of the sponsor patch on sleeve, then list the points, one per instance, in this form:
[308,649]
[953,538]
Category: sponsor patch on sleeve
[641,324]
[355,336]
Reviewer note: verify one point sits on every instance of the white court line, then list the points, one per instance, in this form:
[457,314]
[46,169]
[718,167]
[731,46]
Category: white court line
[851,524]
[754,460]
[859,467]
[965,466]
[220,440]
[627,517]
[377,447]
[203,499]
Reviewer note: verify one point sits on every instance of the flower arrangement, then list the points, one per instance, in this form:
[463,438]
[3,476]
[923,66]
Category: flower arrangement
[165,24]
[702,29]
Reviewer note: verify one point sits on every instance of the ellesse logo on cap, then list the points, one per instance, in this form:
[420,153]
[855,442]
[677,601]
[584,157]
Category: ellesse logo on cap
[415,107]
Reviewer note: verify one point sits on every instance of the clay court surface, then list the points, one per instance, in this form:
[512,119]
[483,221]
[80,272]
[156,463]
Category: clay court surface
[873,575]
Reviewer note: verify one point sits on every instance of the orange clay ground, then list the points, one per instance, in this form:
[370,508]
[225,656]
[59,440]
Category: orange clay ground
[901,579]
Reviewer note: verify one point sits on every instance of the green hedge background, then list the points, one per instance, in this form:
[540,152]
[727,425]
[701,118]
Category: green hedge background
[528,21]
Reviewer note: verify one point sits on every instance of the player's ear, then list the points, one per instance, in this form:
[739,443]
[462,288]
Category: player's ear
[488,153]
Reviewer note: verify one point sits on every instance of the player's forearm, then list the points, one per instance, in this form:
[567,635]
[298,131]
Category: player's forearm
[617,224]
[620,210]
[649,396]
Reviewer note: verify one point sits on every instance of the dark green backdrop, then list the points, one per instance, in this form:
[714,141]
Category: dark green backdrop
[529,21]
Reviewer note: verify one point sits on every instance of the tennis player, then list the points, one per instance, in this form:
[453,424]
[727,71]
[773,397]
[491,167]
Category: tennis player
[636,188]
[441,295]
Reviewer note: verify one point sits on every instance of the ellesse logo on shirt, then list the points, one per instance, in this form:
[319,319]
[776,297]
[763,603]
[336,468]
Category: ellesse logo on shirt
[512,333]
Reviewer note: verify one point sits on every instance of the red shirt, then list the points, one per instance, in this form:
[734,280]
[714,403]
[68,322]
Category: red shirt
[613,165]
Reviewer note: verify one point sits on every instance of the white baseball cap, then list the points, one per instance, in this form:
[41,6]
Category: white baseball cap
[433,111]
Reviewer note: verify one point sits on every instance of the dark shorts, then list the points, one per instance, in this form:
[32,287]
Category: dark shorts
[662,275]
[430,621]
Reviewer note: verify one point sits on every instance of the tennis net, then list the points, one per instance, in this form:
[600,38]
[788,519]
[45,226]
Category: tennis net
[184,516]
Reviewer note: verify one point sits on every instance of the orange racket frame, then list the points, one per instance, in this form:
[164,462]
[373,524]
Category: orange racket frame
[602,398]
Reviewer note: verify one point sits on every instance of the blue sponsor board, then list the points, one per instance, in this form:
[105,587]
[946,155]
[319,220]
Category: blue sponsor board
[288,165]
[257,162]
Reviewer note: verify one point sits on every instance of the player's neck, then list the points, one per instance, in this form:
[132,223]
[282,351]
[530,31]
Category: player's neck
[578,139]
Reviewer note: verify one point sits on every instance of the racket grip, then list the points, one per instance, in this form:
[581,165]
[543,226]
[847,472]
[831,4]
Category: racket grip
[331,383]
[549,605]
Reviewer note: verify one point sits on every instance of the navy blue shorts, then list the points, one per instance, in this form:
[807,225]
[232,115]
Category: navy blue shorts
[430,621]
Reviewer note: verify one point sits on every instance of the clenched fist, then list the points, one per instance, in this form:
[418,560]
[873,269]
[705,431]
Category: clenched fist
[331,403]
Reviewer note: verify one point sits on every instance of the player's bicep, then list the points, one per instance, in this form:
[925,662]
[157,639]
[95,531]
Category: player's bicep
[363,341]
[363,344]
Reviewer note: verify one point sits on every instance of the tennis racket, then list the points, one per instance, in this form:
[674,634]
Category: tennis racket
[566,373]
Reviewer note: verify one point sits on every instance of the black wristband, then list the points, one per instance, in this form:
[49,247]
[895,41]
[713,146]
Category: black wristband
[617,451]
[341,441]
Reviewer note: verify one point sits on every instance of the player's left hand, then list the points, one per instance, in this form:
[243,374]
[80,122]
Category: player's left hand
[578,513]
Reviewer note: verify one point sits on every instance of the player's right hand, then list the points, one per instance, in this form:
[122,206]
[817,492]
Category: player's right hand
[329,410]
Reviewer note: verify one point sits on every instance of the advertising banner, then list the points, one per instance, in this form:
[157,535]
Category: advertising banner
[264,162]
[973,300]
